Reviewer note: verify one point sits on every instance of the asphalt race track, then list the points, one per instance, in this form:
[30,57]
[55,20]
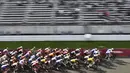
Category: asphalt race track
[120,65]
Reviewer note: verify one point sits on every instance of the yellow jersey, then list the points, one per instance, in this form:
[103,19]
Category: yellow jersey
[43,60]
[73,60]
[91,59]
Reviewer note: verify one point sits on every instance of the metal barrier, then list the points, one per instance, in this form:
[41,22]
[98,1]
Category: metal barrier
[66,38]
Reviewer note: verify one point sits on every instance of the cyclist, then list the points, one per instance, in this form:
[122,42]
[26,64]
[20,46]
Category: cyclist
[109,53]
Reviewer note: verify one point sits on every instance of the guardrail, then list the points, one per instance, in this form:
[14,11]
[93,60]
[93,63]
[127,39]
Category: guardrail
[66,38]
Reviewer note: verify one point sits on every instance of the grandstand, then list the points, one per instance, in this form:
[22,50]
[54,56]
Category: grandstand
[64,12]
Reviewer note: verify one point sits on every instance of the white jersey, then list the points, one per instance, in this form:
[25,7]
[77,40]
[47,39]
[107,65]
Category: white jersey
[54,58]
[38,59]
[96,53]
[58,61]
[78,54]
[86,57]
[27,54]
[21,62]
[38,53]
[5,65]
[20,55]
[93,50]
[59,56]
[67,57]
[32,57]
[108,51]
[4,62]
[14,64]
[73,52]
[34,62]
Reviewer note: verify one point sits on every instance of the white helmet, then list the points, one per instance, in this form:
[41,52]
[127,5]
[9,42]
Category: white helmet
[5,50]
[12,53]
[65,50]
[78,49]
[4,62]
[47,48]
[0,52]
[112,48]
[86,51]
[95,48]
[86,57]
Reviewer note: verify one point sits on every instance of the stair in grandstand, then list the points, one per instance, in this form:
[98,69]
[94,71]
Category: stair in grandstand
[13,13]
[97,11]
[92,16]
[67,17]
[40,13]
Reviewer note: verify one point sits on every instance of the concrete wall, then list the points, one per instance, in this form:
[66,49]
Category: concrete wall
[41,29]
[64,29]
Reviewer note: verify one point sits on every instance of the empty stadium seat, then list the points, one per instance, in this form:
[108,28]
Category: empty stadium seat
[48,11]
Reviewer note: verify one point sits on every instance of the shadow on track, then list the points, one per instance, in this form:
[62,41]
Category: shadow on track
[108,65]
[120,62]
[99,71]
[105,64]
